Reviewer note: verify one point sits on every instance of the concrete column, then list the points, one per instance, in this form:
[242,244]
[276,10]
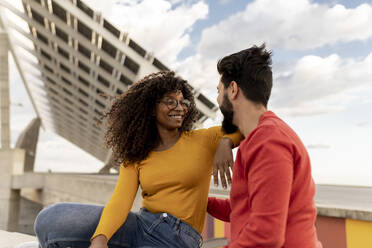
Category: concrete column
[11,160]
[109,163]
[27,140]
[11,163]
[4,91]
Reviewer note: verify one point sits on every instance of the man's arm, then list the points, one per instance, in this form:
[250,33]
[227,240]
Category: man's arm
[269,183]
[219,208]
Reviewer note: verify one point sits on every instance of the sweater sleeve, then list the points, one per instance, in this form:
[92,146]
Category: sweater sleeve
[270,176]
[215,134]
[116,210]
[219,208]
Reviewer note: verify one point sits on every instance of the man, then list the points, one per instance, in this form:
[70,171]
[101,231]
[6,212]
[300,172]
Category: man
[272,194]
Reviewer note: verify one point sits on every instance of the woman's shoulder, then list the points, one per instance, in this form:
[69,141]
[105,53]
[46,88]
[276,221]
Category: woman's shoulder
[203,131]
[130,166]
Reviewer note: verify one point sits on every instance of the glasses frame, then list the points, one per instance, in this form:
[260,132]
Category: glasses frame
[177,102]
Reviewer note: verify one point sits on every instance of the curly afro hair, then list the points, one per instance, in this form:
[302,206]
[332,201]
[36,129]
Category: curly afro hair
[131,122]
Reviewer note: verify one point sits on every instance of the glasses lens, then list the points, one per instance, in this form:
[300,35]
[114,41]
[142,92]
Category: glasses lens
[186,103]
[172,103]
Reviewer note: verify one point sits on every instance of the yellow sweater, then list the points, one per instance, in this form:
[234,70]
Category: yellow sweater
[175,181]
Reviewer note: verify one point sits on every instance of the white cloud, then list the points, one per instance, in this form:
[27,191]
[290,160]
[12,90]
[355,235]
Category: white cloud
[200,72]
[104,7]
[319,85]
[21,110]
[57,154]
[364,124]
[293,25]
[158,25]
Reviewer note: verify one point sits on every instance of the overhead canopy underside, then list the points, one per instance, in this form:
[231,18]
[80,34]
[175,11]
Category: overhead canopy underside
[68,56]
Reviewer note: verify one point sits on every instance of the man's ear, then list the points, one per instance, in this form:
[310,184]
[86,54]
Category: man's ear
[233,90]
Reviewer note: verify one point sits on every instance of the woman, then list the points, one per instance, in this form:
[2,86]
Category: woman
[149,131]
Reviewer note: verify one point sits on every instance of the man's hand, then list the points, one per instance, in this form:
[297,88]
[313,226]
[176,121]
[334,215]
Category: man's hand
[99,242]
[223,161]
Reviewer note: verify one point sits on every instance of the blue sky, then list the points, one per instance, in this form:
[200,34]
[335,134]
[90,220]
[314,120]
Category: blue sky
[217,11]
[322,55]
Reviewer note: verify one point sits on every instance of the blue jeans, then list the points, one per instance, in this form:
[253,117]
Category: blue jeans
[72,225]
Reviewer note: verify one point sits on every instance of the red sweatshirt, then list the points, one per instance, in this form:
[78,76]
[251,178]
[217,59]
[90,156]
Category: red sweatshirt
[272,193]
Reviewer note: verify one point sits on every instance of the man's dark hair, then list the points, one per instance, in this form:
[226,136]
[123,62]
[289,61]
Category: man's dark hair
[251,70]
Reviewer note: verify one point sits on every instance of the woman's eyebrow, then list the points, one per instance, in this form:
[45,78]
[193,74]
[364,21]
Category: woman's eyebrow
[172,97]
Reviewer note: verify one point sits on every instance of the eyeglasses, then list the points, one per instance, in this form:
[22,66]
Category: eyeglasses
[173,103]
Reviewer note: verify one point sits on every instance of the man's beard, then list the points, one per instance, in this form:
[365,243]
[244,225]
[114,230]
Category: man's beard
[228,115]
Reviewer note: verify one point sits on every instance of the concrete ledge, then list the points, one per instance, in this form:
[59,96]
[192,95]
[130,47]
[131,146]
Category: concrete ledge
[219,192]
[215,243]
[354,214]
[28,180]
[350,202]
[12,239]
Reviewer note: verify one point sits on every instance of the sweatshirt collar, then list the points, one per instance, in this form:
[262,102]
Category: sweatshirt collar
[267,114]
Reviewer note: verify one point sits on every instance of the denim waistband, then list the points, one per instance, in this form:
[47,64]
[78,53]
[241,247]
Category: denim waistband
[174,221]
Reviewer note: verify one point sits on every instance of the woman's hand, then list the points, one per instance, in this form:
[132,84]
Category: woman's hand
[223,161]
[99,242]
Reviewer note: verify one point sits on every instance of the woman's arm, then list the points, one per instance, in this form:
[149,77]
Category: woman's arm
[223,161]
[116,210]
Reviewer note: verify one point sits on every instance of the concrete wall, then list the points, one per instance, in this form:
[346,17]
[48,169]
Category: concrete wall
[11,162]
[68,187]
[27,215]
[63,187]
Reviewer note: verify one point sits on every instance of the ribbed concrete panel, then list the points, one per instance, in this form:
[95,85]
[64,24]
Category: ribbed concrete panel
[219,228]
[358,233]
[209,227]
[331,232]
[70,57]
[4,92]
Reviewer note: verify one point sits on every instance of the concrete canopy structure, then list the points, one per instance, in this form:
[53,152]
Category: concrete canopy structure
[69,56]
